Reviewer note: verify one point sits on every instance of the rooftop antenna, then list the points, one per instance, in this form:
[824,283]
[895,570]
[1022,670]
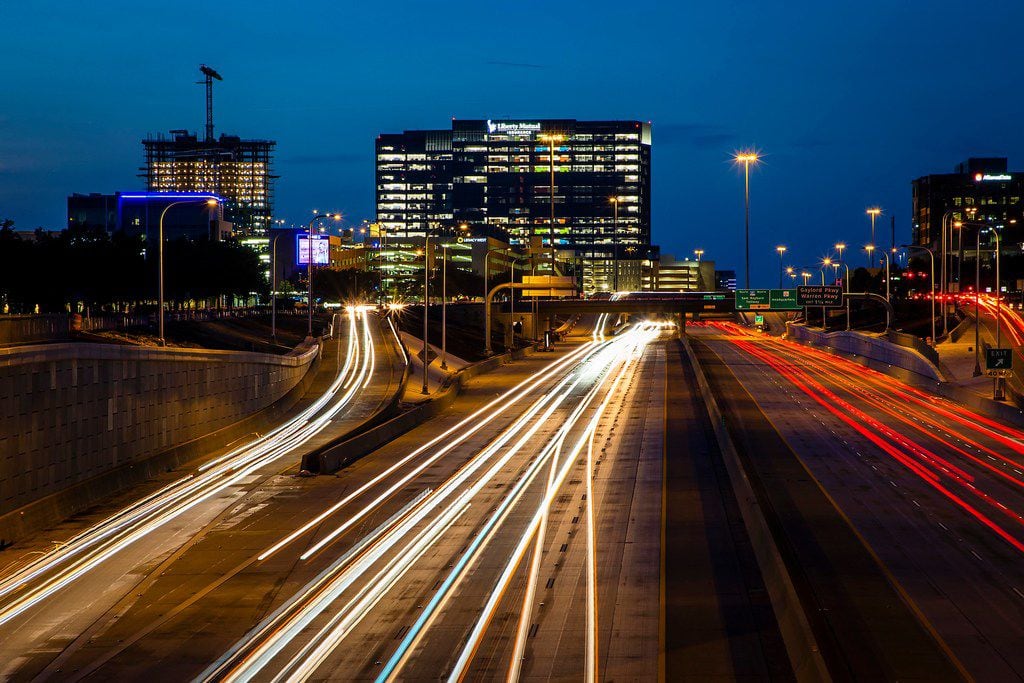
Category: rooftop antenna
[210,74]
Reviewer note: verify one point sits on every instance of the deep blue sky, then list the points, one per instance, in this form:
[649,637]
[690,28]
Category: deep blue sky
[849,101]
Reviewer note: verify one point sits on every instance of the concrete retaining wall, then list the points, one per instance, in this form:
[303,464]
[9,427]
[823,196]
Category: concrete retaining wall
[877,351]
[70,413]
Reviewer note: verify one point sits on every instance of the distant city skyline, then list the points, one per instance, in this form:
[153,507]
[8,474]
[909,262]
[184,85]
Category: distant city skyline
[845,115]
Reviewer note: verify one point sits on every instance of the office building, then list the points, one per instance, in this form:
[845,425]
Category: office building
[685,276]
[235,169]
[497,175]
[725,280]
[138,214]
[978,191]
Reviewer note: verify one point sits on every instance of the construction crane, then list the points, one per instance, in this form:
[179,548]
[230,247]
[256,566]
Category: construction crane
[209,74]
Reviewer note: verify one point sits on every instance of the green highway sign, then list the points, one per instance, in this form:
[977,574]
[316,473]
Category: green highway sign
[759,319]
[784,300]
[820,295]
[753,300]
[713,297]
[766,300]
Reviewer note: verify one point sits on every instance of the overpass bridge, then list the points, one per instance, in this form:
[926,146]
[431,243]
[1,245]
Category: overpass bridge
[669,303]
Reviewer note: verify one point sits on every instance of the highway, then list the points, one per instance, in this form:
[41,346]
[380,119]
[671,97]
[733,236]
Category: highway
[111,555]
[932,489]
[474,546]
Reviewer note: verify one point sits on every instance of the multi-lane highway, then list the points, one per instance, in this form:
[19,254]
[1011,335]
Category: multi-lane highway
[49,598]
[569,517]
[522,534]
[935,490]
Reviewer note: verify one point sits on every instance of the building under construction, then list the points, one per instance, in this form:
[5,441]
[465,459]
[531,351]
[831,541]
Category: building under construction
[238,170]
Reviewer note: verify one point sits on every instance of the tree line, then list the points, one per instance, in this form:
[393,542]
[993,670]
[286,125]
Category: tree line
[89,268]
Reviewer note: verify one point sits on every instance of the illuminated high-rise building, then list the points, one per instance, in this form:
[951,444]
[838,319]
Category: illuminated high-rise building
[498,175]
[238,170]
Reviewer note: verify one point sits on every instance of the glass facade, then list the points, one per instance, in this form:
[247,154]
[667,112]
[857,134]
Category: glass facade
[498,175]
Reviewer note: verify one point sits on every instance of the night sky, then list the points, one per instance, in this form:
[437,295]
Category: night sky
[848,101]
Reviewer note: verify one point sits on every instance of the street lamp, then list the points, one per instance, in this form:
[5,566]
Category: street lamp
[698,253]
[273,286]
[551,139]
[782,250]
[444,301]
[309,266]
[977,288]
[874,212]
[825,263]
[870,248]
[931,285]
[615,242]
[886,256]
[746,158]
[210,201]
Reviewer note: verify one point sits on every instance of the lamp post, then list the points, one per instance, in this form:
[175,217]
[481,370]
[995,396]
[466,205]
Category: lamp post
[846,282]
[931,282]
[273,288]
[839,248]
[782,250]
[309,266]
[825,263]
[551,139]
[698,253]
[746,158]
[886,256]
[874,212]
[426,309]
[870,248]
[615,242]
[209,201]
[444,301]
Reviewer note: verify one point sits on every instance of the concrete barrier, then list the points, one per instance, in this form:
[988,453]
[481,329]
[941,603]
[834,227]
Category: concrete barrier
[877,351]
[81,421]
[797,634]
[335,456]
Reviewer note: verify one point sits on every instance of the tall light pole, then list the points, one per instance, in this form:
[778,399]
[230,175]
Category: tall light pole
[552,139]
[273,288]
[839,248]
[210,201]
[782,250]
[886,257]
[931,282]
[444,300]
[309,266]
[825,263]
[426,309]
[746,158]
[615,242]
[874,212]
[870,248]
[698,253]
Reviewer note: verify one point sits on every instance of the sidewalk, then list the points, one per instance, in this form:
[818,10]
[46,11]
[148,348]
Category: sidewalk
[958,362]
[435,375]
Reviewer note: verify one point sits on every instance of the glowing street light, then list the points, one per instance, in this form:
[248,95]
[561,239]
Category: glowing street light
[782,250]
[698,253]
[874,212]
[209,201]
[552,139]
[746,158]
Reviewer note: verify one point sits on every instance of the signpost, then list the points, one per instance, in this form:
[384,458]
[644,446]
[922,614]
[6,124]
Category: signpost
[999,362]
[826,296]
[753,300]
[766,300]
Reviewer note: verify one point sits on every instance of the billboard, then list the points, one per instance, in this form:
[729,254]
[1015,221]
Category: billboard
[321,250]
